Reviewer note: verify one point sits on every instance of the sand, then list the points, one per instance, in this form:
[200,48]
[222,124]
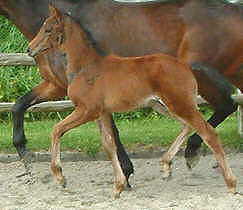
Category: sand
[90,186]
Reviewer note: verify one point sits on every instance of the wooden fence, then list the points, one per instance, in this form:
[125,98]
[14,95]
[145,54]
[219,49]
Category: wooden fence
[15,59]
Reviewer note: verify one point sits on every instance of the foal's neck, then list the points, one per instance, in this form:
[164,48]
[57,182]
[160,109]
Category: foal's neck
[79,49]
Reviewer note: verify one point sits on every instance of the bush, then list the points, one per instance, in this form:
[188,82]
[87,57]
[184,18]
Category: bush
[14,81]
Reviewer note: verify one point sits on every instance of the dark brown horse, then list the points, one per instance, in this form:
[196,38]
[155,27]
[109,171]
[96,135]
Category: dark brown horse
[207,34]
[99,85]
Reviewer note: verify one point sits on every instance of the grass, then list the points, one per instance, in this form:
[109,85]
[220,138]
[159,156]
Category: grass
[150,132]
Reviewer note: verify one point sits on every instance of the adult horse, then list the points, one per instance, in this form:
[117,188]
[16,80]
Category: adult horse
[175,27]
[207,34]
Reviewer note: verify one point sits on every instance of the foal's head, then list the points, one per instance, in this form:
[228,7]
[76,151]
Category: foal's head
[51,34]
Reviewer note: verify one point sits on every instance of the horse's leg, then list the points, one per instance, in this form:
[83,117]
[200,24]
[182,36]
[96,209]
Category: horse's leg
[41,93]
[109,130]
[125,162]
[188,112]
[168,156]
[122,166]
[211,138]
[76,118]
[79,116]
[214,88]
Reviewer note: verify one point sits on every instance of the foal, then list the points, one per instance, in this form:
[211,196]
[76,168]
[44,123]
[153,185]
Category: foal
[100,84]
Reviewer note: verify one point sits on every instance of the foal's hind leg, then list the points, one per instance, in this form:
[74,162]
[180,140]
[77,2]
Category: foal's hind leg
[169,155]
[217,91]
[111,147]
[193,117]
[39,94]
[174,148]
[211,138]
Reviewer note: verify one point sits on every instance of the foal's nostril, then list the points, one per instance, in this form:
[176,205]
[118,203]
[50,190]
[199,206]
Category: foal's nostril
[29,52]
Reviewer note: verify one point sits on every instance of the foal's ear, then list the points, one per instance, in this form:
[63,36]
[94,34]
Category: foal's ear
[55,12]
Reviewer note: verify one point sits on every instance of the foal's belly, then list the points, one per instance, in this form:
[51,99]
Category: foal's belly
[126,97]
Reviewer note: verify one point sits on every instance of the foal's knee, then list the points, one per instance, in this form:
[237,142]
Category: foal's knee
[17,108]
[57,132]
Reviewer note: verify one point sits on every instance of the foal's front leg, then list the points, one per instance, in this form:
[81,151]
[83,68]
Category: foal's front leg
[77,117]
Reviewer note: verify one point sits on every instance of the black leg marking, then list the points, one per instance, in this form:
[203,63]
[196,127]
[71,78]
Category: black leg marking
[126,164]
[18,110]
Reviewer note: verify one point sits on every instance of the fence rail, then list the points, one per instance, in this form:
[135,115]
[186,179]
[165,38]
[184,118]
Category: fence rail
[15,59]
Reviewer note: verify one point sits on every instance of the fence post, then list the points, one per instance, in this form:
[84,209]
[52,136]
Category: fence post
[240,119]
[240,115]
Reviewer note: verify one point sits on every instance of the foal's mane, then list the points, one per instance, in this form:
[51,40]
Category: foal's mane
[89,37]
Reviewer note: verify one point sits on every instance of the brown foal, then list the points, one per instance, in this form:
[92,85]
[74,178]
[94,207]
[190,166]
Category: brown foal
[100,85]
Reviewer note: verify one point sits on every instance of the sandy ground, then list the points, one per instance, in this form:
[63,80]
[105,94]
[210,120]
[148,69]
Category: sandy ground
[90,185]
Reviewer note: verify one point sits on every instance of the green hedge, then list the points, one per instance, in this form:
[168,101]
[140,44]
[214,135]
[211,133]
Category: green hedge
[14,81]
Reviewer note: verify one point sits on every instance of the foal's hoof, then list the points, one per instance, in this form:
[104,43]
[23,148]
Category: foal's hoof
[191,162]
[232,185]
[117,194]
[63,182]
[166,175]
[215,165]
[119,187]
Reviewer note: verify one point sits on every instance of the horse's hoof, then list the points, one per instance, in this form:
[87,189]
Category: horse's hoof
[191,162]
[128,185]
[28,156]
[27,160]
